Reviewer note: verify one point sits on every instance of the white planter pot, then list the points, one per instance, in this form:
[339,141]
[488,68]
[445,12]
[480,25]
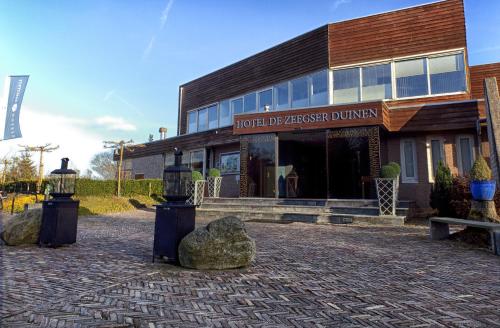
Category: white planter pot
[214,184]
[387,194]
[196,192]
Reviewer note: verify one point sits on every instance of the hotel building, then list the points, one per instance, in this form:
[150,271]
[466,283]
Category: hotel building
[315,117]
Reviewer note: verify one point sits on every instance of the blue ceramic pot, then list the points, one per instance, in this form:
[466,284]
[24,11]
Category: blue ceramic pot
[483,190]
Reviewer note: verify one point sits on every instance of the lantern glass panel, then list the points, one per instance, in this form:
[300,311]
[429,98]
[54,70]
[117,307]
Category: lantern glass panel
[62,184]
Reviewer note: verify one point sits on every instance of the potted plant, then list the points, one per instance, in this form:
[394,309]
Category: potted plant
[196,189]
[214,182]
[387,188]
[481,186]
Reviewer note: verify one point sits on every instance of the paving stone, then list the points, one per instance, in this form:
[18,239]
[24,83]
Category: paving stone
[304,275]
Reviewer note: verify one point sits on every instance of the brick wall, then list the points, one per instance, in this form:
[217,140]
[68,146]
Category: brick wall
[420,191]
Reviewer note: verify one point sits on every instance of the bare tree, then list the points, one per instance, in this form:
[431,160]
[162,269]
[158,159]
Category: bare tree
[103,165]
[119,147]
[47,148]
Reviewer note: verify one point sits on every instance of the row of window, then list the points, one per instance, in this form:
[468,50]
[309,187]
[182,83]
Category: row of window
[392,80]
[406,78]
[435,153]
[311,90]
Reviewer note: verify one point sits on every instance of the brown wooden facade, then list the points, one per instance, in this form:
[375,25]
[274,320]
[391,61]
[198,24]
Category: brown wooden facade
[412,32]
[429,28]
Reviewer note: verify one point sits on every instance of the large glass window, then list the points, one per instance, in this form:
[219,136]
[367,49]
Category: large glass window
[377,82]
[447,74]
[465,154]
[411,78]
[237,106]
[409,161]
[212,117]
[197,160]
[261,165]
[435,154]
[346,86]
[265,99]
[300,96]
[203,119]
[319,88]
[224,113]
[250,103]
[281,94]
[192,121]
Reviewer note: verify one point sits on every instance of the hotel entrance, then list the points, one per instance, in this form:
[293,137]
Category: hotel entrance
[302,165]
[338,163]
[348,168]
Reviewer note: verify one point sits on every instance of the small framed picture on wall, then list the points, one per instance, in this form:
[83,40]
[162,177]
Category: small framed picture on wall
[230,163]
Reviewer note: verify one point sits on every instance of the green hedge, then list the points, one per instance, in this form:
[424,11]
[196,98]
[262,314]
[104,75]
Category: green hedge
[90,187]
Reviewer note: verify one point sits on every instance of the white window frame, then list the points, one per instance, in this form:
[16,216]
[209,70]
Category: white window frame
[204,150]
[208,116]
[428,146]
[393,61]
[272,98]
[187,119]
[459,151]
[404,178]
[219,111]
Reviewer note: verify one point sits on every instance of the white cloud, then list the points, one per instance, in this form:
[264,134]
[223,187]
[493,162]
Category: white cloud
[338,3]
[115,123]
[71,134]
[109,94]
[163,21]
[164,14]
[149,48]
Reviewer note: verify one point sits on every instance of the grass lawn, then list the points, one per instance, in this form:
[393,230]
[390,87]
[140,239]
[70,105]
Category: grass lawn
[90,205]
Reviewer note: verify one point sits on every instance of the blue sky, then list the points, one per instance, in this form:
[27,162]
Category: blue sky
[110,69]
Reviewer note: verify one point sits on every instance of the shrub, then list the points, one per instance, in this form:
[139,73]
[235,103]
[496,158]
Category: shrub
[441,189]
[196,176]
[388,172]
[460,197]
[480,170]
[213,172]
[395,166]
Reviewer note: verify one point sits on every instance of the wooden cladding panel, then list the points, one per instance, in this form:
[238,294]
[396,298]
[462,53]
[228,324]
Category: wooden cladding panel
[436,117]
[428,100]
[428,28]
[478,74]
[185,142]
[301,55]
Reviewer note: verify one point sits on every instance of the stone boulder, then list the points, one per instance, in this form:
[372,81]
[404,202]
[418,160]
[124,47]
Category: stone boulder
[222,244]
[22,228]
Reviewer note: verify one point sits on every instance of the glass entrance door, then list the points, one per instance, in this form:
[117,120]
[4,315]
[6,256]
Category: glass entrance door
[348,167]
[258,165]
[302,165]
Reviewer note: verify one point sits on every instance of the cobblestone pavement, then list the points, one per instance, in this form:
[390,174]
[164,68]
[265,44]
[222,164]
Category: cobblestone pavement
[305,275]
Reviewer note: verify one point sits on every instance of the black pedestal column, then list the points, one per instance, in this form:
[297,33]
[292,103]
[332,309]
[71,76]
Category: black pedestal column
[59,222]
[172,223]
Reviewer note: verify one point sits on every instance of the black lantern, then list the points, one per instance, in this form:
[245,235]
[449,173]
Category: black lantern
[174,218]
[62,181]
[176,179]
[60,214]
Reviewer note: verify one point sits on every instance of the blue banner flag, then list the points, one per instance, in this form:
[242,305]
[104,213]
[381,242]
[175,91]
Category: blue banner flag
[15,86]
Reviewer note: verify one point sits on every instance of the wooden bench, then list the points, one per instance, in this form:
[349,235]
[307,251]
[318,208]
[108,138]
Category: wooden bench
[439,229]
